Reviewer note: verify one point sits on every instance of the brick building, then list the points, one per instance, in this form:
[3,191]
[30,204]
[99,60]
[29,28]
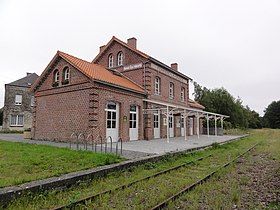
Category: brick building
[123,93]
[17,112]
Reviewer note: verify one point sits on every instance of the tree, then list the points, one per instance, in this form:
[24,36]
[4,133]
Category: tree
[272,115]
[219,100]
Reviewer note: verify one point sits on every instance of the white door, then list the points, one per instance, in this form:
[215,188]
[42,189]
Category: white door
[191,126]
[171,126]
[182,126]
[157,125]
[112,121]
[133,123]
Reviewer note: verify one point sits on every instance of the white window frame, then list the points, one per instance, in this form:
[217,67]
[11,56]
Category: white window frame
[120,59]
[183,93]
[111,61]
[56,76]
[18,99]
[157,86]
[66,73]
[171,90]
[18,121]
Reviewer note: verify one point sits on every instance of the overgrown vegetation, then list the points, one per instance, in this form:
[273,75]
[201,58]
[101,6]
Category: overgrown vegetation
[143,194]
[272,115]
[219,100]
[22,162]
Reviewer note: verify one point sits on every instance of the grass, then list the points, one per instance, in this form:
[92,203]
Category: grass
[22,162]
[142,194]
[224,190]
[146,194]
[11,131]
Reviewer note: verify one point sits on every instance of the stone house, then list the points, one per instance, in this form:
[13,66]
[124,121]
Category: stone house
[17,111]
[123,93]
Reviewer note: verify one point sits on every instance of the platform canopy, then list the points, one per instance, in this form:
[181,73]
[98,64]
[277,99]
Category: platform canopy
[169,109]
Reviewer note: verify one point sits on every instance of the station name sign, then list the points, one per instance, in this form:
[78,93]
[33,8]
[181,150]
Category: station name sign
[132,66]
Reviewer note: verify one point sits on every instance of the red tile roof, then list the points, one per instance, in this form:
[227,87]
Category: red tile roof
[194,104]
[96,72]
[139,53]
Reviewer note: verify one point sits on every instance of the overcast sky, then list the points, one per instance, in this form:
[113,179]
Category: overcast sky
[219,43]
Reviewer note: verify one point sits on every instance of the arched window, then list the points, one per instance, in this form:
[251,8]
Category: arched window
[120,58]
[111,61]
[56,76]
[157,86]
[66,75]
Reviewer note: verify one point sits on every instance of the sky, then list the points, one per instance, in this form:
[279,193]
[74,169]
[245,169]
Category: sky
[233,44]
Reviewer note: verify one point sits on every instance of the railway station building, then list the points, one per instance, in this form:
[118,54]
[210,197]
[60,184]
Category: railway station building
[123,93]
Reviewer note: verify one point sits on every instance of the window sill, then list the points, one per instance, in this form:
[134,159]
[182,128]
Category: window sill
[16,125]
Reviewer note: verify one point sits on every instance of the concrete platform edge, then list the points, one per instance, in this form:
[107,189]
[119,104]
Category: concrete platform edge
[9,193]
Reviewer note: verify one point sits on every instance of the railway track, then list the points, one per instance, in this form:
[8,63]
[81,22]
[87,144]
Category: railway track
[185,173]
[83,200]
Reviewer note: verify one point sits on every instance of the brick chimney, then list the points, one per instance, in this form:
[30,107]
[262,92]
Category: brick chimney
[174,66]
[132,42]
[101,48]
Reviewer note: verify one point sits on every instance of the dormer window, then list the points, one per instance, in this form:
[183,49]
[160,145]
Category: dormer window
[111,61]
[66,75]
[55,78]
[120,59]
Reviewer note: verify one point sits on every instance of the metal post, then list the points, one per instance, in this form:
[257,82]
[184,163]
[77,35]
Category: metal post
[185,124]
[215,125]
[207,125]
[197,124]
[167,126]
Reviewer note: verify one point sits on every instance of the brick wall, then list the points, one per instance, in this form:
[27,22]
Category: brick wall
[79,107]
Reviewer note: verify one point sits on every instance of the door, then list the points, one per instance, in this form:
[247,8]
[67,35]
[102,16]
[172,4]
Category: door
[133,123]
[191,126]
[182,126]
[171,126]
[157,125]
[112,121]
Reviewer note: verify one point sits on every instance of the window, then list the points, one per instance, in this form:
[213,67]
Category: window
[66,73]
[111,61]
[171,90]
[66,76]
[132,117]
[156,120]
[16,120]
[111,115]
[55,78]
[157,86]
[120,59]
[183,94]
[18,100]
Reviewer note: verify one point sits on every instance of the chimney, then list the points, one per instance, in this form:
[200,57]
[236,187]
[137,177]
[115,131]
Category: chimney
[132,42]
[27,73]
[174,66]
[101,48]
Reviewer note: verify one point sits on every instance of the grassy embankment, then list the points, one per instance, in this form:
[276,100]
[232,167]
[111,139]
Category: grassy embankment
[22,162]
[145,194]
